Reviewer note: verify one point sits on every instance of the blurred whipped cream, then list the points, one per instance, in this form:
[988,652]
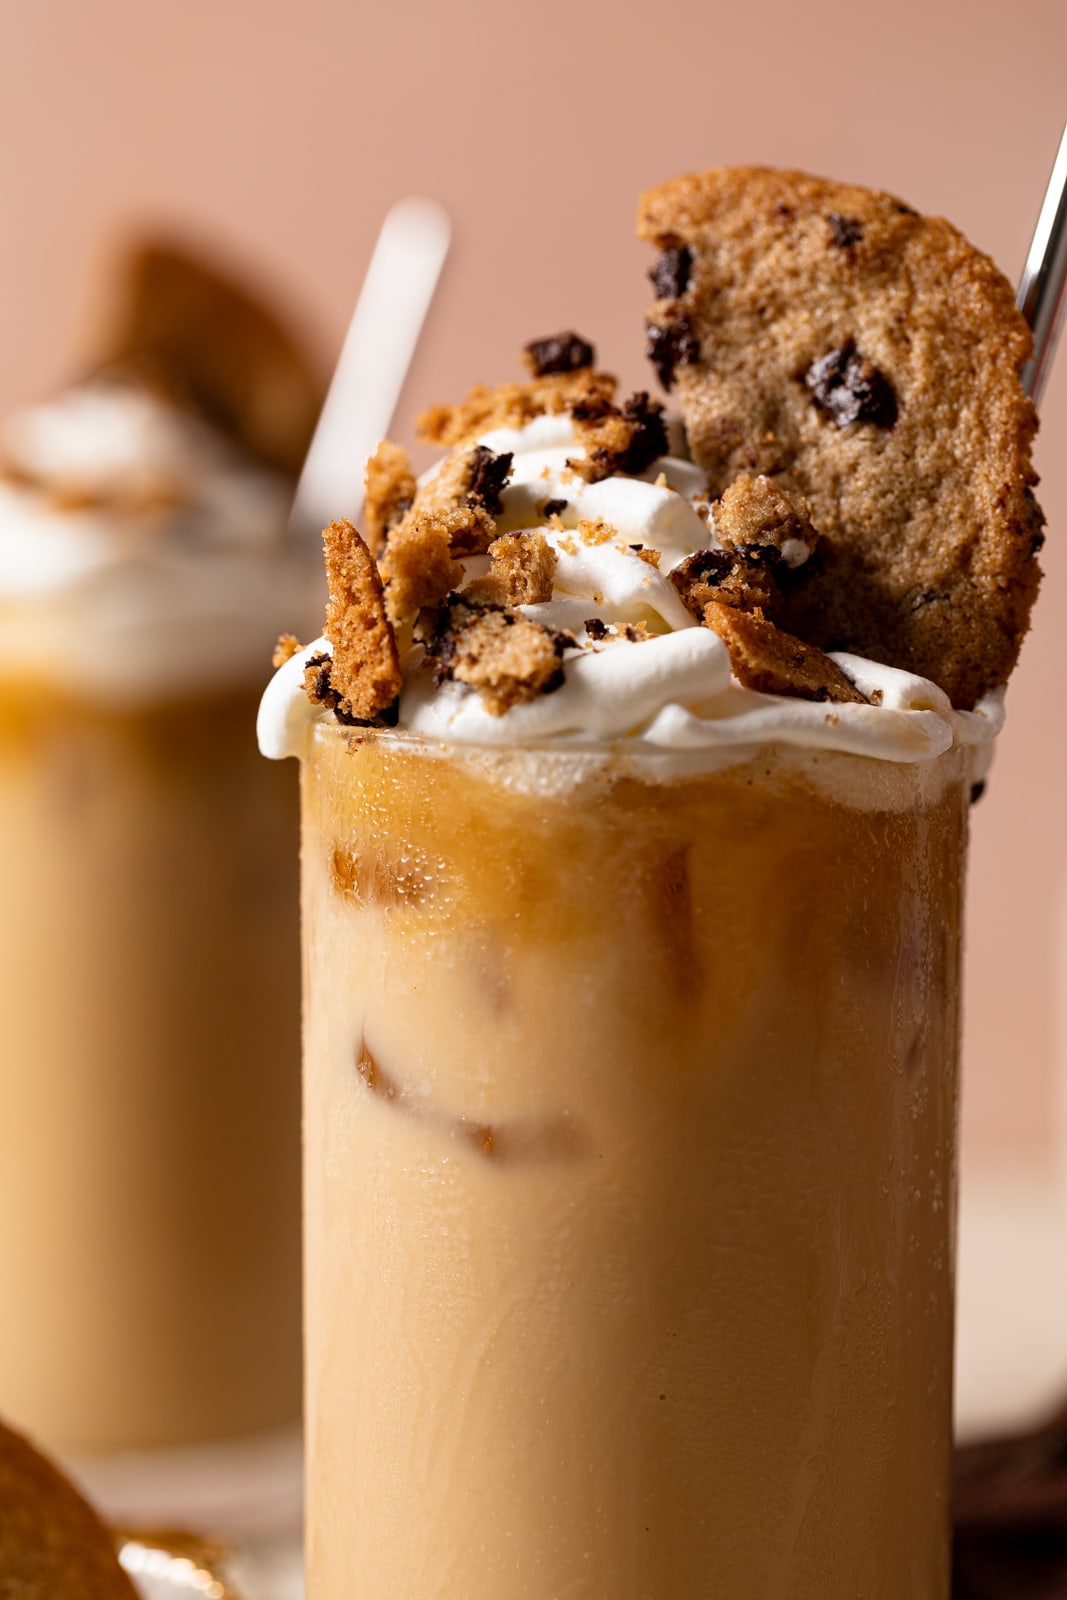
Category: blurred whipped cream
[669,691]
[142,554]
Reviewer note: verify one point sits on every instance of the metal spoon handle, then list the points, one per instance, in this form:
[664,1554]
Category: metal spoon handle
[1042,296]
[373,364]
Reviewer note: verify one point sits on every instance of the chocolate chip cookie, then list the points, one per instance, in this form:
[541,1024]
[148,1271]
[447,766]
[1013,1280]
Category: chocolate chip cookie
[868,359]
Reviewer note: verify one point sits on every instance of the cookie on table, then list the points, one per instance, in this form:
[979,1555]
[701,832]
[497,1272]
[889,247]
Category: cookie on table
[52,1544]
[867,358]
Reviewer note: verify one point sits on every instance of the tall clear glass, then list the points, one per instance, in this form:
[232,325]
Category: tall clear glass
[631,1101]
[149,1084]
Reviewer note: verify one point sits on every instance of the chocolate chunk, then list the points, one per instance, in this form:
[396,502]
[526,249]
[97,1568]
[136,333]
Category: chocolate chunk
[849,388]
[489,474]
[670,275]
[596,628]
[649,440]
[846,231]
[563,352]
[977,791]
[555,508]
[670,346]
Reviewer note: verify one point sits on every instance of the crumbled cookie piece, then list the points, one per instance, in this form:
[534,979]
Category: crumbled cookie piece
[742,578]
[553,508]
[618,440]
[390,491]
[511,405]
[762,657]
[317,685]
[288,646]
[365,670]
[521,572]
[561,352]
[594,530]
[417,565]
[505,656]
[867,359]
[756,513]
[464,495]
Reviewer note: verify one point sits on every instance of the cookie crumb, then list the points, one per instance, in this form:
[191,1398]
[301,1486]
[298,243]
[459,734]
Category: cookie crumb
[506,657]
[287,647]
[757,513]
[522,569]
[390,491]
[618,440]
[764,658]
[554,508]
[741,578]
[365,670]
[511,405]
[561,352]
[417,564]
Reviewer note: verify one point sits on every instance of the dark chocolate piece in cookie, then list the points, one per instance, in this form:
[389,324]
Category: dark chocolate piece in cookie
[867,358]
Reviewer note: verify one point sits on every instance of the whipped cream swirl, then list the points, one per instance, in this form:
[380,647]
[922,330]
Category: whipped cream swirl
[142,555]
[667,684]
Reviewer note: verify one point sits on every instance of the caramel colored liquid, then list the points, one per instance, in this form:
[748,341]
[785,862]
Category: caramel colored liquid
[630,1134]
[149,1091]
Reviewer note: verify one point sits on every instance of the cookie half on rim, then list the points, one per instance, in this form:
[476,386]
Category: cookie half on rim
[829,336]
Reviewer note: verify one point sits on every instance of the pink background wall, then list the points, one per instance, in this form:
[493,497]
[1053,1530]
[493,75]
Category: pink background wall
[283,131]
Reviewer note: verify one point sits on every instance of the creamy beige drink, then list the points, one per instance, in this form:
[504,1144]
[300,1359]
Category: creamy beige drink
[149,1144]
[149,1161]
[631,1112]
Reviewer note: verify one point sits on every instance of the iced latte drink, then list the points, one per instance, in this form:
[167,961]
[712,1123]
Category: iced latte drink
[630,1174]
[632,953]
[149,1094]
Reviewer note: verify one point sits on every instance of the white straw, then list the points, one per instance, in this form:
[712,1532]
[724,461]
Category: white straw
[374,362]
